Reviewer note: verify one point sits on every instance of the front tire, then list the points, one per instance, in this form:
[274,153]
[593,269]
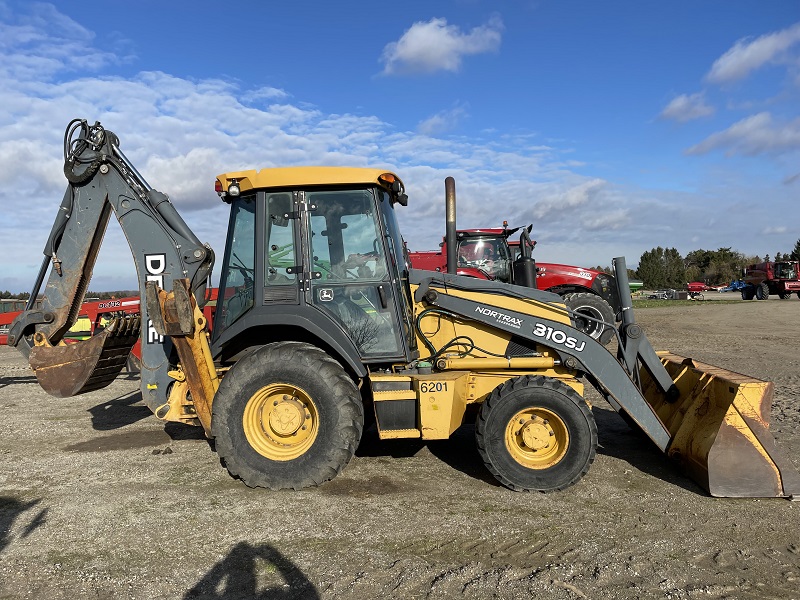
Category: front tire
[762,291]
[536,433]
[286,416]
[786,295]
[586,304]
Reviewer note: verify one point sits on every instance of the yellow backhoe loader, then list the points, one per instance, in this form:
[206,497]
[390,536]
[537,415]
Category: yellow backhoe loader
[319,318]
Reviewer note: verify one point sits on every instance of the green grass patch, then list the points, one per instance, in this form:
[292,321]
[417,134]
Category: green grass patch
[645,303]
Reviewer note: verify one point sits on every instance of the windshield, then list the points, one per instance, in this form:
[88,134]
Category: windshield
[785,270]
[489,254]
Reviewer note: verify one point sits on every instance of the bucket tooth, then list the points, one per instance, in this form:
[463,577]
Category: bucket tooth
[70,369]
[719,430]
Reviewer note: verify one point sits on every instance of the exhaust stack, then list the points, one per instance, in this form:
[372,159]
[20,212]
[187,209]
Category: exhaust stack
[450,230]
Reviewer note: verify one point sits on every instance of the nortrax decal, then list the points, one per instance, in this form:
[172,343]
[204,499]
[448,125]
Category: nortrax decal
[557,336]
[500,317]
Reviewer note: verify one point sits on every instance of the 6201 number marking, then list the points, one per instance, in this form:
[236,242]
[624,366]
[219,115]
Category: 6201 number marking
[429,387]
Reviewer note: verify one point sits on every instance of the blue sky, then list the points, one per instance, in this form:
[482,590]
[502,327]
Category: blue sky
[613,127]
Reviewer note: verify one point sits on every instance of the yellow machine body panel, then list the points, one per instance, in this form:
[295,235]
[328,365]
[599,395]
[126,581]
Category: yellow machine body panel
[719,429]
[439,329]
[432,406]
[428,406]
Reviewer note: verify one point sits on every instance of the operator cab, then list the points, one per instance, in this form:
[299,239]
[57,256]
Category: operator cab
[489,253]
[319,248]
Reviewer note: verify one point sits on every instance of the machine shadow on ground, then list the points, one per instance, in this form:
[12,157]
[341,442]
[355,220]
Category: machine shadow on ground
[119,412]
[253,573]
[10,510]
[618,440]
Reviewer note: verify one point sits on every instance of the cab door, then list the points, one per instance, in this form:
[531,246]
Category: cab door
[350,282]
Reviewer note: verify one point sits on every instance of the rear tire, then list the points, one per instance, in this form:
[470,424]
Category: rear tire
[785,295]
[286,416]
[762,291]
[591,305]
[536,433]
[748,292]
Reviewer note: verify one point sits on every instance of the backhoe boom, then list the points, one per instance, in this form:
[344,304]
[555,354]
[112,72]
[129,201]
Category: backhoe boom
[102,181]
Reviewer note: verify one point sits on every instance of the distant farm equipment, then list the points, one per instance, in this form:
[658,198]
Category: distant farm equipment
[735,286]
[765,279]
[695,290]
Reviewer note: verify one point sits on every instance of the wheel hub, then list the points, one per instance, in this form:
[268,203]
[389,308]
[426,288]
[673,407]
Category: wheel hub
[536,434]
[280,422]
[537,438]
[587,325]
[286,416]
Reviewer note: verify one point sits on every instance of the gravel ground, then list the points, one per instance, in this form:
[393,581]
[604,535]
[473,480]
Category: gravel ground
[99,499]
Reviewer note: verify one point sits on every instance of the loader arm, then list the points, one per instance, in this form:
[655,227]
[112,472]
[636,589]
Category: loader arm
[165,252]
[713,422]
[579,351]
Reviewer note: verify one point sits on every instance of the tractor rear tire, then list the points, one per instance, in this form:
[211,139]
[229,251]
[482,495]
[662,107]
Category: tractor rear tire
[287,416]
[536,433]
[762,292]
[786,295]
[592,305]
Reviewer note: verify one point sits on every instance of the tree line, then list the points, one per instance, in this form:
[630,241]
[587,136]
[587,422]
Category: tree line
[6,295]
[658,268]
[666,268]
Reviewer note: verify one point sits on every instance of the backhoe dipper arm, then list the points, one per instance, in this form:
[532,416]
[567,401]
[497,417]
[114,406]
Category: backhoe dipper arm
[102,180]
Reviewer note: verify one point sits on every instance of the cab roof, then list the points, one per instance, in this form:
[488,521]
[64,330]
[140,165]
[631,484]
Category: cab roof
[491,232]
[307,176]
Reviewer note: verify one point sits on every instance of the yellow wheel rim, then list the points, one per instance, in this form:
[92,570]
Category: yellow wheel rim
[280,421]
[536,438]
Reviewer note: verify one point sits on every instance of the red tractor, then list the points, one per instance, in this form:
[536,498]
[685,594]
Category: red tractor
[767,278]
[488,254]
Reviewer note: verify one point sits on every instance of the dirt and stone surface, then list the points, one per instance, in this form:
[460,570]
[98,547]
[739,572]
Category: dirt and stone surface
[99,499]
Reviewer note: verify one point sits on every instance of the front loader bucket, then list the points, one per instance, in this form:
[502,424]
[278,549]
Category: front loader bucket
[71,369]
[719,430]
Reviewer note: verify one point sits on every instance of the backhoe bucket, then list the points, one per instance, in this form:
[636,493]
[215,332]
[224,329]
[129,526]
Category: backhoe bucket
[71,369]
[719,430]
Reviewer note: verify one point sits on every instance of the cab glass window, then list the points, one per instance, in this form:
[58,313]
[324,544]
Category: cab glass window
[238,264]
[279,241]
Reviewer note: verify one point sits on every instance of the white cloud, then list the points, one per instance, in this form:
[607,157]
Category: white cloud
[757,134]
[181,133]
[575,197]
[428,47]
[443,121]
[685,108]
[265,93]
[775,230]
[41,41]
[747,55]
